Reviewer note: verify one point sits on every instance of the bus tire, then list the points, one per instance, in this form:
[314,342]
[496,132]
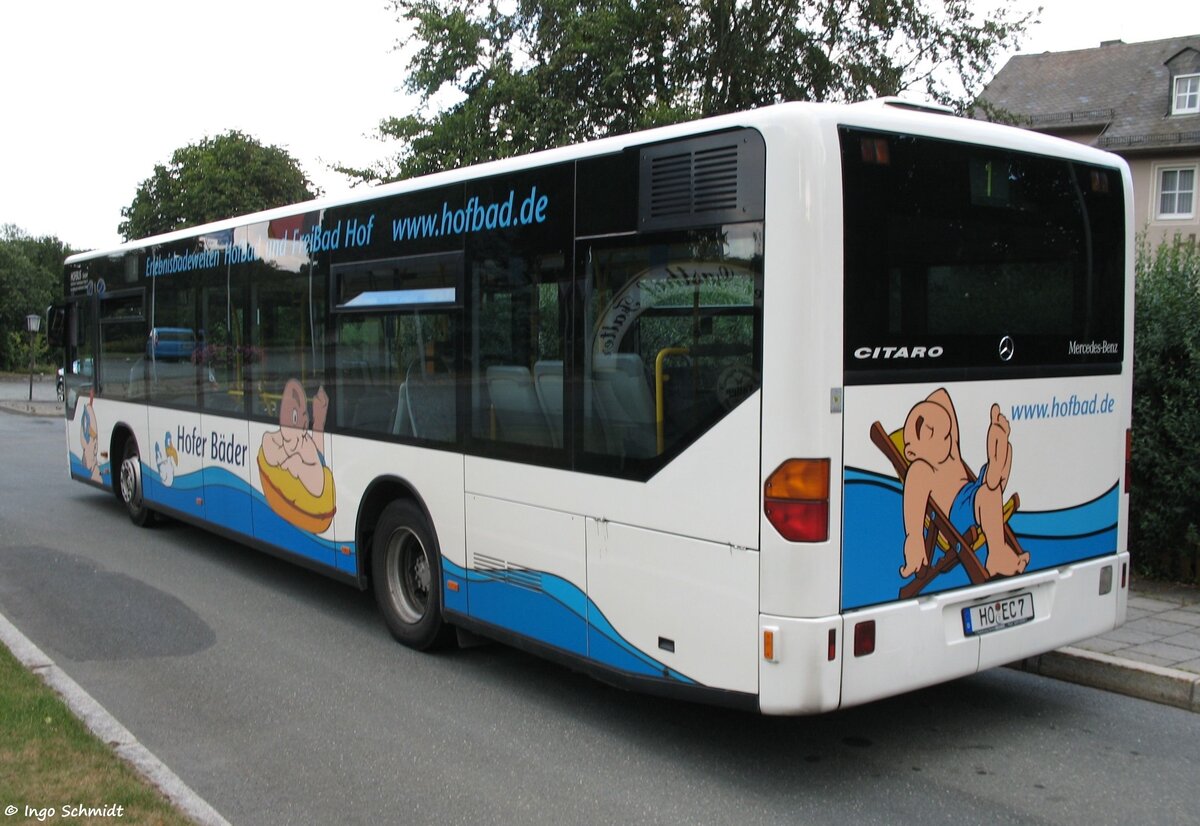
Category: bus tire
[406,574]
[129,486]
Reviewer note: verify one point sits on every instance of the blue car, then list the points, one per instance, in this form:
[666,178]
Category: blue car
[171,343]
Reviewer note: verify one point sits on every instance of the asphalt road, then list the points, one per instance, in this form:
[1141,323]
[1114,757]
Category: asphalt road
[279,697]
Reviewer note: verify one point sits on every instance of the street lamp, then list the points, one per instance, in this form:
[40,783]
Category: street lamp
[33,323]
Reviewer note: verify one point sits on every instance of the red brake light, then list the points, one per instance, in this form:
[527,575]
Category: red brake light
[1128,457]
[799,521]
[864,638]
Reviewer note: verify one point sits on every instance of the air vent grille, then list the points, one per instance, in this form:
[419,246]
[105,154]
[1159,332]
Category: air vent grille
[701,181]
[500,570]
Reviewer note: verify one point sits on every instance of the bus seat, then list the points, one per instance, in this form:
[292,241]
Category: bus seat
[372,410]
[137,379]
[519,416]
[625,404]
[402,422]
[548,381]
[432,402]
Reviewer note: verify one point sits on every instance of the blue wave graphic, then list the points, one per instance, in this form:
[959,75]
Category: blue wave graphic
[78,470]
[557,613]
[873,538]
[232,503]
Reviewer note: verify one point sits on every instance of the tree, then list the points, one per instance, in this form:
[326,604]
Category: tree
[216,178]
[30,279]
[553,72]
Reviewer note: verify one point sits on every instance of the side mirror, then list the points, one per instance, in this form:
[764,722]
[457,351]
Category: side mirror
[56,325]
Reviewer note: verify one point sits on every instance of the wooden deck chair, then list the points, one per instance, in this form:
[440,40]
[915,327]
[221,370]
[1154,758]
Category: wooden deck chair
[956,547]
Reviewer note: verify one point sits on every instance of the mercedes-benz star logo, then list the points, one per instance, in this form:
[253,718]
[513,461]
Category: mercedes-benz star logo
[1006,348]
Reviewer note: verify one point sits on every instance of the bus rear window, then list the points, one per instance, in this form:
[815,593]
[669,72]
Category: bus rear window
[970,258]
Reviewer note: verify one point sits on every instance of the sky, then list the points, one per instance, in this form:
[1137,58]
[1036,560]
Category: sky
[96,93]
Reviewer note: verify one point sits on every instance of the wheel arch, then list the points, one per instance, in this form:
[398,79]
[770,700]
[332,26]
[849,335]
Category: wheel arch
[381,491]
[121,433]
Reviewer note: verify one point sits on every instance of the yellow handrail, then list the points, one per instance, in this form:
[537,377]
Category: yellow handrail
[659,380]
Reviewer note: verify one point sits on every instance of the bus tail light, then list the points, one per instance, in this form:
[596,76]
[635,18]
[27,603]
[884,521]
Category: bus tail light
[1128,456]
[864,638]
[796,501]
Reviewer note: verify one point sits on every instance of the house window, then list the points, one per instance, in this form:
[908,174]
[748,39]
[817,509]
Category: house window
[1177,193]
[1187,95]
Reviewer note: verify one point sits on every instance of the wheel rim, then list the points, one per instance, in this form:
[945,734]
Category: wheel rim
[129,482]
[408,575]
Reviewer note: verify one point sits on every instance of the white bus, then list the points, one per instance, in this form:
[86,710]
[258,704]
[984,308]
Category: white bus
[786,410]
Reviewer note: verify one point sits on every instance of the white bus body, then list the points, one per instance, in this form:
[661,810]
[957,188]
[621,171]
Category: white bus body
[495,372]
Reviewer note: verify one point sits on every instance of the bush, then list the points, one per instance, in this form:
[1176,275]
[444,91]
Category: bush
[1165,502]
[18,353]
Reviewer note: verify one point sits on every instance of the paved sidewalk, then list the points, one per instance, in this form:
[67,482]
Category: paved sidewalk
[1162,628]
[1155,655]
[32,408]
[14,395]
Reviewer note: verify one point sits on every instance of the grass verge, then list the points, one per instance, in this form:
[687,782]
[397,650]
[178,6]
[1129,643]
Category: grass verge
[49,760]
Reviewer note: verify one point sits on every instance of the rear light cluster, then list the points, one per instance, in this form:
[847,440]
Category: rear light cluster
[796,500]
[864,638]
[1128,457]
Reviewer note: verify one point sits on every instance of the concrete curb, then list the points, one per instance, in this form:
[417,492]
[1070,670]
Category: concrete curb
[33,408]
[108,729]
[1168,686]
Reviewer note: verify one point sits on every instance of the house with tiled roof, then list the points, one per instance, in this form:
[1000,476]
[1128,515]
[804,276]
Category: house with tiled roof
[1139,100]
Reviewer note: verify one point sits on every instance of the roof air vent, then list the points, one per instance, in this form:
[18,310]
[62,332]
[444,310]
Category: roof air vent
[706,180]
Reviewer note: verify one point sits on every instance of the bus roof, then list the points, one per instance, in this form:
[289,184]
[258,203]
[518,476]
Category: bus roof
[885,113]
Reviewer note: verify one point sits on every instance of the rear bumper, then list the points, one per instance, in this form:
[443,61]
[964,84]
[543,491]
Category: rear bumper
[921,642]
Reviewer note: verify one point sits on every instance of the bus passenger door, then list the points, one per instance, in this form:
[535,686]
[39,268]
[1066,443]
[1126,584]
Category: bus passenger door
[166,377]
[216,350]
[289,457]
[227,459]
[173,469]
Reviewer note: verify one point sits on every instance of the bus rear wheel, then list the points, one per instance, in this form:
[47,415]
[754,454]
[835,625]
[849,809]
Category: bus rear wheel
[406,574]
[129,485]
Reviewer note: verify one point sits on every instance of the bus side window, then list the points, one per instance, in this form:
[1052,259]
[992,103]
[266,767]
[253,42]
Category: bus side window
[122,333]
[397,375]
[674,330]
[287,337]
[517,350]
[397,352]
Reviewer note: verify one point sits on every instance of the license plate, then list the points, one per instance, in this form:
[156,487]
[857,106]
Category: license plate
[1004,612]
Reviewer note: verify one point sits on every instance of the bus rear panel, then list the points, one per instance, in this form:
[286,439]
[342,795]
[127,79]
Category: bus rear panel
[984,409]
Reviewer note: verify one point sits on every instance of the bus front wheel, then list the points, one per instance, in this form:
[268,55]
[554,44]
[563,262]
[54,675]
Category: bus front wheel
[406,574]
[130,486]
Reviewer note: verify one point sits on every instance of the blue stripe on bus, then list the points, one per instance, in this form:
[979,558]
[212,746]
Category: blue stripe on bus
[555,612]
[80,471]
[225,494]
